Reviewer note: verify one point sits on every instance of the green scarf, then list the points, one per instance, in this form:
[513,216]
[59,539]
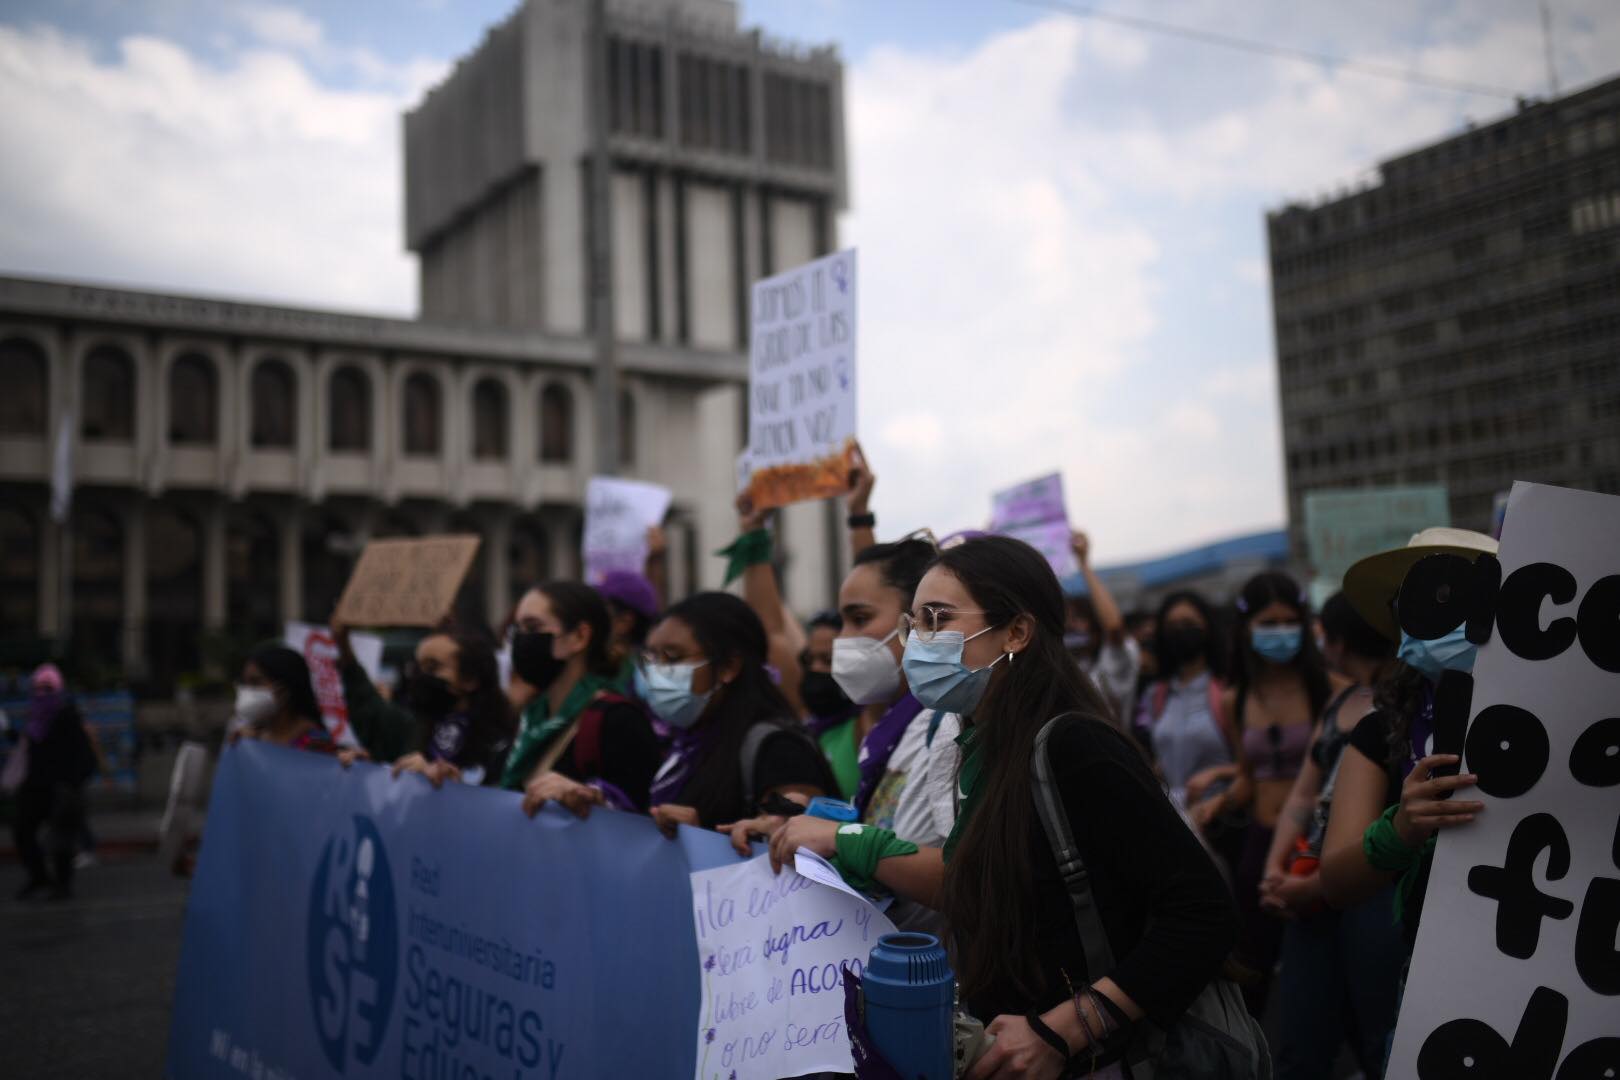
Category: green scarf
[969,786]
[536,729]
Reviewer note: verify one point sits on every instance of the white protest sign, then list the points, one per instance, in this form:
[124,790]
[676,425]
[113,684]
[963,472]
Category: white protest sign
[1034,512]
[320,652]
[618,514]
[1517,967]
[801,382]
[773,947]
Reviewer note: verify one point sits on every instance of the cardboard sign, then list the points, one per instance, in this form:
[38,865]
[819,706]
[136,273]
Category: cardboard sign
[1034,512]
[801,382]
[618,514]
[410,582]
[1516,967]
[1343,527]
[320,652]
[773,948]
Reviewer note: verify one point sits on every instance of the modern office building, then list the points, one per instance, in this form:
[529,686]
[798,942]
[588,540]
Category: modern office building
[1457,321]
[229,459]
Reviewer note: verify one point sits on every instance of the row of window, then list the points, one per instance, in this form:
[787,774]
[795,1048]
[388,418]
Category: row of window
[107,406]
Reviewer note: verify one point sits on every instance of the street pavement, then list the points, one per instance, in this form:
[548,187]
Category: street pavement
[85,983]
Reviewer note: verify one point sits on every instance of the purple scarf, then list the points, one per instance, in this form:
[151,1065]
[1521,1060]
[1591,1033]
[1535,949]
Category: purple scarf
[685,748]
[879,744]
[42,713]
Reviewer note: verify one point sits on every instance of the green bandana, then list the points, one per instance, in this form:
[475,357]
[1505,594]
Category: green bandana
[749,549]
[969,788]
[537,729]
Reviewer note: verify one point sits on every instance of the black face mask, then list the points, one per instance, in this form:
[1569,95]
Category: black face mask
[533,661]
[429,696]
[823,696]
[1181,644]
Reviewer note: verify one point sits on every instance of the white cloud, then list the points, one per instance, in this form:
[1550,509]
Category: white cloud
[154,168]
[286,26]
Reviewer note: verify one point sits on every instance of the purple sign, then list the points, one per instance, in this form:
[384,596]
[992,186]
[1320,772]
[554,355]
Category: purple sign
[1034,512]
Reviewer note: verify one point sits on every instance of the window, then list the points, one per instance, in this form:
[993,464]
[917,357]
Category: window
[348,416]
[489,421]
[109,395]
[627,428]
[275,420]
[422,414]
[26,403]
[193,401]
[556,424]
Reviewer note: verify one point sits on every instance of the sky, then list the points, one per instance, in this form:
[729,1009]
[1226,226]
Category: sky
[1061,220]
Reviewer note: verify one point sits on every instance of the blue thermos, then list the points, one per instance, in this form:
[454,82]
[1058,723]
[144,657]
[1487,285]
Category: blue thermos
[910,996]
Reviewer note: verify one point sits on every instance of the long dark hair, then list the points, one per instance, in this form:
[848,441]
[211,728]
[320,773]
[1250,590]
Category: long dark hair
[1214,655]
[287,669]
[575,603]
[988,882]
[1401,695]
[1264,589]
[727,630]
[488,709]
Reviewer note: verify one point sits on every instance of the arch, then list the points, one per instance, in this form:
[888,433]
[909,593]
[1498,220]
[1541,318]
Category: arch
[174,588]
[98,583]
[627,428]
[25,373]
[273,394]
[348,410]
[423,414]
[19,573]
[107,403]
[252,577]
[193,401]
[489,437]
[556,424]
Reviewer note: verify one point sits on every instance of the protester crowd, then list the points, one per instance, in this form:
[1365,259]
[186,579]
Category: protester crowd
[1233,797]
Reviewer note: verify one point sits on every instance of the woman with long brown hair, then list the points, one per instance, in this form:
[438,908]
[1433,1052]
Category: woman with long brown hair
[984,638]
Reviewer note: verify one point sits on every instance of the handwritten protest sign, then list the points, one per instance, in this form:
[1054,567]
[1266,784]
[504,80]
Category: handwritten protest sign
[773,948]
[1034,512]
[320,652]
[406,582]
[801,382]
[1516,966]
[1343,527]
[618,514]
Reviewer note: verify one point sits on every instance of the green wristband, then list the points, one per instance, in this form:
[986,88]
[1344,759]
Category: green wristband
[859,850]
[1385,850]
[749,549]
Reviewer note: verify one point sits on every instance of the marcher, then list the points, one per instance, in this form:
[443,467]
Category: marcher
[985,639]
[60,761]
[275,701]
[633,605]
[1095,636]
[450,719]
[1279,687]
[827,706]
[580,742]
[1387,802]
[1339,967]
[737,740]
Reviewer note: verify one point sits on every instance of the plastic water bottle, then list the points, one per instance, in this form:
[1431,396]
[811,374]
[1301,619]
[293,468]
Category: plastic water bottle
[910,998]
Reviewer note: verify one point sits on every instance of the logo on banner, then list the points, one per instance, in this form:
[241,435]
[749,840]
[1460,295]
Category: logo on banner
[353,958]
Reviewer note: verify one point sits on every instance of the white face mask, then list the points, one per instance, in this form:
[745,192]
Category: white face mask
[865,669]
[254,704]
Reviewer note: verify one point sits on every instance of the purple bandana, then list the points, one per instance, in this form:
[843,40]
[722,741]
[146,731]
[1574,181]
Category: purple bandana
[449,738]
[42,712]
[879,744]
[685,748]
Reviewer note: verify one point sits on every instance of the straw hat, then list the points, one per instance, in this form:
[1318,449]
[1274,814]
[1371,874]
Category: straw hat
[1371,584]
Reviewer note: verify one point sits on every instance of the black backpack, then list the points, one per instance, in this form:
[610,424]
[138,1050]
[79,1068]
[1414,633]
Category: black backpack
[1216,1038]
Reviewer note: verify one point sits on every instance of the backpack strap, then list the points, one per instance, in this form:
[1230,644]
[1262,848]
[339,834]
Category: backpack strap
[1076,878]
[753,742]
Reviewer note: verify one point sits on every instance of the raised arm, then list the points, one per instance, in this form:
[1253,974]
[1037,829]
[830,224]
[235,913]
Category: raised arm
[1110,623]
[859,505]
[764,595]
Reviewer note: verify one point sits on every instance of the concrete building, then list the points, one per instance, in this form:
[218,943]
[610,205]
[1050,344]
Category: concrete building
[1457,321]
[230,459]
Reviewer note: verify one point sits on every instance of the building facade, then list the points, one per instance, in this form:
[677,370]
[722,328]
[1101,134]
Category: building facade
[229,460]
[1457,322]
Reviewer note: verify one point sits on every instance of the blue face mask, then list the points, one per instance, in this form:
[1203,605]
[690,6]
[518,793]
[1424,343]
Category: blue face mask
[1279,644]
[938,678]
[667,690]
[1454,652]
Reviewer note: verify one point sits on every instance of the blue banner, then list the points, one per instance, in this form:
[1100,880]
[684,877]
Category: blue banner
[350,924]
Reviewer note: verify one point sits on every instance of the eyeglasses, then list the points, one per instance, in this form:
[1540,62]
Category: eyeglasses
[929,620]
